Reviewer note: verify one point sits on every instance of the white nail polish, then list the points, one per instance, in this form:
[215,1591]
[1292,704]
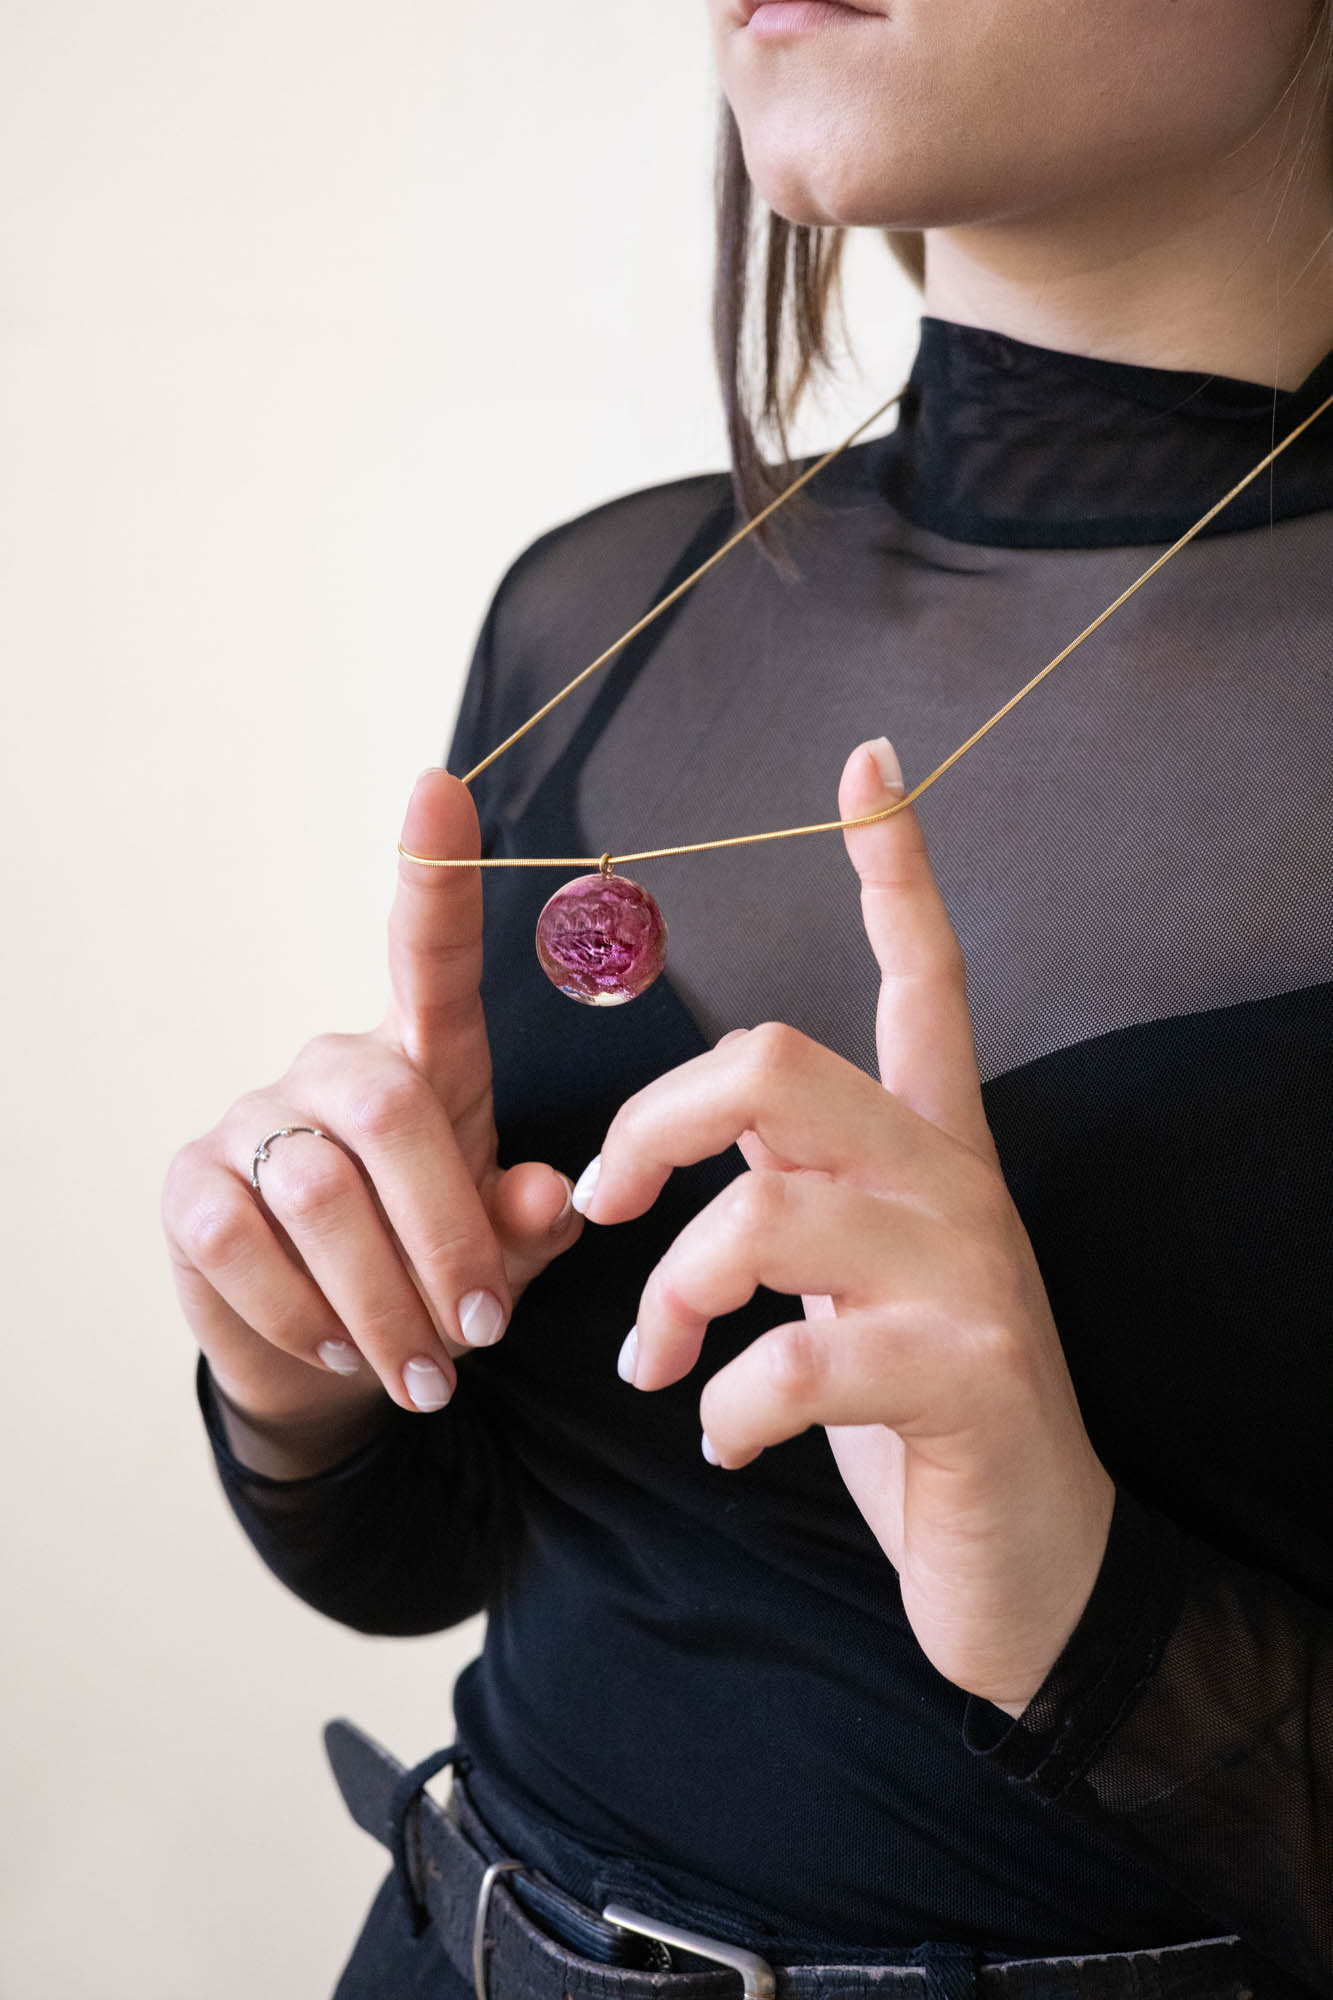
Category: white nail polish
[586,1185]
[481,1318]
[426,1385]
[629,1354]
[706,1446]
[340,1356]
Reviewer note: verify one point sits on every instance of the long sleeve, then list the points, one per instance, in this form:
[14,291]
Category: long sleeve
[411,1532]
[1191,1712]
[406,1535]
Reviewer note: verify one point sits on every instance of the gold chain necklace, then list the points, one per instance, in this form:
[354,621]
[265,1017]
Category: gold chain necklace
[601,938]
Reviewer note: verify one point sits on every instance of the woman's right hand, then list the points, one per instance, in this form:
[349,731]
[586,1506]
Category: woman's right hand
[376,1255]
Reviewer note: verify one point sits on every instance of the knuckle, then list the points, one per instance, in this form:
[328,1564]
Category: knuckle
[311,1189]
[182,1175]
[387,1103]
[391,1325]
[296,1331]
[241,1126]
[452,954]
[662,1295]
[755,1201]
[773,1047]
[624,1128]
[322,1052]
[793,1359]
[217,1230]
[250,1105]
[989,1329]
[446,1266]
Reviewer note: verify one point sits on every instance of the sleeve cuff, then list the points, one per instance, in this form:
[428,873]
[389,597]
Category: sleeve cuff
[234,1474]
[1106,1661]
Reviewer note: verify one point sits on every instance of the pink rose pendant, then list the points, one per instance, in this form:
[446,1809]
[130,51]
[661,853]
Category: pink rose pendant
[601,939]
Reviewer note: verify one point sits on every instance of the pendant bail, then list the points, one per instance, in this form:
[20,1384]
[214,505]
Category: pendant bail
[606,864]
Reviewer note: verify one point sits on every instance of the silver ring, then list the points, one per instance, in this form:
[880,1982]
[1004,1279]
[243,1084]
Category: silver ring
[260,1153]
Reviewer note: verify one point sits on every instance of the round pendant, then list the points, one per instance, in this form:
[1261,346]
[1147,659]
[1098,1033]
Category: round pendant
[601,939]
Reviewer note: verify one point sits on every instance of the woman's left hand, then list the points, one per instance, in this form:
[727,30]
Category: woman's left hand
[928,1348]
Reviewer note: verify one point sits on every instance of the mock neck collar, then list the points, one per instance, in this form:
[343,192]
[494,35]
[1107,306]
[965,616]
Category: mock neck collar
[1004,442]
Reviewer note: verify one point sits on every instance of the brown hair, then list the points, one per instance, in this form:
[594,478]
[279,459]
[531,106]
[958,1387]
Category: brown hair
[802,264]
[801,279]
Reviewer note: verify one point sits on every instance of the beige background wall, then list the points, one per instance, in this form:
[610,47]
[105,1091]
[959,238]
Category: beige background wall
[311,316]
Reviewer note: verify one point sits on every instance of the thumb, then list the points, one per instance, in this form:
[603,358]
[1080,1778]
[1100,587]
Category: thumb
[532,1212]
[923,1028]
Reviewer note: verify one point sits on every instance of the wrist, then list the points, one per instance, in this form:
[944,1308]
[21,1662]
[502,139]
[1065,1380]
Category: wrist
[1082,1572]
[294,1441]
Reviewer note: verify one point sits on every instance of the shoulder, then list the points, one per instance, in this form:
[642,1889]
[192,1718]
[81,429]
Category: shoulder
[564,598]
[601,569]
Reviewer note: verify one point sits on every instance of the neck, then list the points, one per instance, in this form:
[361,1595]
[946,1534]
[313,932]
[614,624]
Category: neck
[1228,271]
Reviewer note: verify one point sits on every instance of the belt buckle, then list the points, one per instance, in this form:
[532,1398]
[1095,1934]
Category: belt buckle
[479,1924]
[758,1976]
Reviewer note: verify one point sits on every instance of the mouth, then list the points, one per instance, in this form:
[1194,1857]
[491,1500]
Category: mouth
[809,10]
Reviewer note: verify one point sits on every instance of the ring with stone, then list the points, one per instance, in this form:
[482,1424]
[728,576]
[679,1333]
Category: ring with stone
[283,1132]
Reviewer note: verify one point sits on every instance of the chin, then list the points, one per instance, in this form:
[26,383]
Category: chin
[802,181]
[807,185]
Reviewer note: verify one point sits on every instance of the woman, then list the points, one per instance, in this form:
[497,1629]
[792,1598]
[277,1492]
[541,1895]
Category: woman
[995,1643]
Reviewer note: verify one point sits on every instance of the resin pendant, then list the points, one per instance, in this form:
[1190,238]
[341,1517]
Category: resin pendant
[601,939]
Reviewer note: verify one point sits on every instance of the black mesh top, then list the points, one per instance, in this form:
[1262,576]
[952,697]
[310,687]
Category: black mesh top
[703,1682]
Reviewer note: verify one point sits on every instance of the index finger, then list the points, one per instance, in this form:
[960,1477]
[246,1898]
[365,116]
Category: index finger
[806,1103]
[923,1024]
[435,934]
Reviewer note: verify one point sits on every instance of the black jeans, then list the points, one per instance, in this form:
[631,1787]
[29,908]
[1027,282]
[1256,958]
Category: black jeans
[390,1963]
[397,1958]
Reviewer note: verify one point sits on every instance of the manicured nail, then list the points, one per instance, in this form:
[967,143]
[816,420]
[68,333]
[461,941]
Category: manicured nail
[629,1354]
[426,1385]
[886,757]
[339,1355]
[586,1185]
[706,1445]
[481,1318]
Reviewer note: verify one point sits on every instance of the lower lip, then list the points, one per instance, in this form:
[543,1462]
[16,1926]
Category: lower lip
[800,17]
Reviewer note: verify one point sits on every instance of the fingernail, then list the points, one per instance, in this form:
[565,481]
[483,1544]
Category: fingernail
[730,1036]
[429,772]
[886,757]
[339,1355]
[706,1445]
[586,1185]
[568,1208]
[481,1318]
[426,1385]
[629,1354]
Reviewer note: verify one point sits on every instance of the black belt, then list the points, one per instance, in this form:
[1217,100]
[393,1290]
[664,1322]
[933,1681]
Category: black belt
[501,1923]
